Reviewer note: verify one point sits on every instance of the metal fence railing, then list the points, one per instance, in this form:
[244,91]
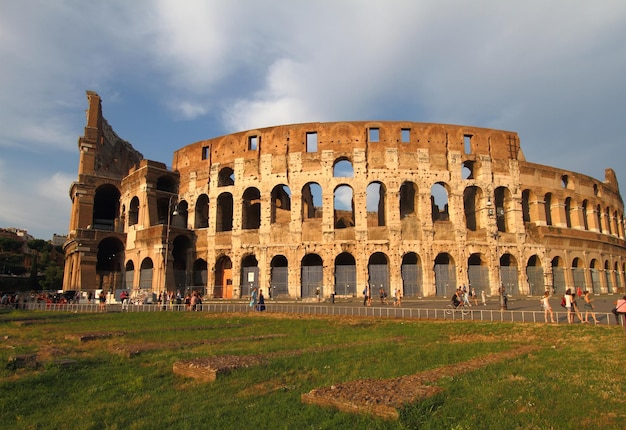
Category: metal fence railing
[486,315]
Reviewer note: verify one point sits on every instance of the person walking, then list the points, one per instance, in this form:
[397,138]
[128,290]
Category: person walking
[102,298]
[474,296]
[568,298]
[465,297]
[124,297]
[253,299]
[589,308]
[620,309]
[547,309]
[576,310]
[383,296]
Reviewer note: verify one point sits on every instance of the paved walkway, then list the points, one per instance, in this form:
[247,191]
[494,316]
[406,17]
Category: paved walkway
[519,309]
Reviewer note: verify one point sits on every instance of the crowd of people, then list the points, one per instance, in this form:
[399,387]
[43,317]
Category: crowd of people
[257,300]
[382,294]
[464,295]
[570,302]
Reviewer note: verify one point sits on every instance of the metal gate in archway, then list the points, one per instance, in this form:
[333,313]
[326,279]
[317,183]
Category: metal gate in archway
[280,281]
[508,278]
[478,278]
[445,279]
[345,280]
[608,278]
[558,280]
[312,278]
[412,280]
[378,277]
[535,280]
[578,273]
[249,280]
[595,281]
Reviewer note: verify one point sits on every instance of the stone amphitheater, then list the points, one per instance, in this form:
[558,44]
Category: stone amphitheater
[328,208]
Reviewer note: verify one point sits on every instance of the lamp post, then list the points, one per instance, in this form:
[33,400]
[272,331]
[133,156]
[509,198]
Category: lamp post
[167,245]
[501,292]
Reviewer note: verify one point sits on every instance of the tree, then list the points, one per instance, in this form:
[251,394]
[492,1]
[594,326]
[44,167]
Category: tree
[39,245]
[53,278]
[9,245]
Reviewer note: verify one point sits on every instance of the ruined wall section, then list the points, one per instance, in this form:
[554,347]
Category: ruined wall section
[105,159]
[434,153]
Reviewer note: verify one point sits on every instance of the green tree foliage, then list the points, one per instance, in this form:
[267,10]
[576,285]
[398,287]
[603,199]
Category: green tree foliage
[52,278]
[12,264]
[9,245]
[40,245]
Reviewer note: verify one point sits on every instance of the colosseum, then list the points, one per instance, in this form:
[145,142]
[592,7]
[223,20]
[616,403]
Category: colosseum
[328,208]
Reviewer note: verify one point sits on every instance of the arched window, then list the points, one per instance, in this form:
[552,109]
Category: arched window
[375,204]
[202,211]
[281,205]
[343,169]
[439,202]
[343,207]
[224,217]
[133,211]
[311,201]
[251,209]
[226,177]
[548,207]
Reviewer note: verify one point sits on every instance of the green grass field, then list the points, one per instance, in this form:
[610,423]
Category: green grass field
[573,379]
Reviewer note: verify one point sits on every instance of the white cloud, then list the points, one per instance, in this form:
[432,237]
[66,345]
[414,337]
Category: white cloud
[37,202]
[551,71]
[189,110]
[343,197]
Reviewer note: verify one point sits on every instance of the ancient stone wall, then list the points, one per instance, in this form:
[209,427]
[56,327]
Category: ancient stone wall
[421,208]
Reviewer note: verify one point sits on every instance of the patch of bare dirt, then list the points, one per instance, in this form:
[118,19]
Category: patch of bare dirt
[137,348]
[207,369]
[384,397]
[88,337]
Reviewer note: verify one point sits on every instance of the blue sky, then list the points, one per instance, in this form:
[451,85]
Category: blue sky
[171,73]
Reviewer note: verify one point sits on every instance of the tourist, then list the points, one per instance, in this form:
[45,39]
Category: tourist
[367,296]
[463,295]
[576,310]
[261,301]
[547,309]
[254,299]
[620,309]
[102,299]
[193,300]
[568,298]
[589,308]
[124,299]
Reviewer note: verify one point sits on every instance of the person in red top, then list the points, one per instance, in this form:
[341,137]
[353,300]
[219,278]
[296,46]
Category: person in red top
[620,309]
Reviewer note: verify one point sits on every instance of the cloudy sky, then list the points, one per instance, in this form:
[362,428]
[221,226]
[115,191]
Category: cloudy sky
[171,73]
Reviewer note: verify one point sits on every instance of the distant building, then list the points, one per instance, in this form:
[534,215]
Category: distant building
[336,206]
[20,233]
[58,240]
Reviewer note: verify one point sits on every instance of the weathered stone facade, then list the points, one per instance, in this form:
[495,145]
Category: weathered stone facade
[333,207]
